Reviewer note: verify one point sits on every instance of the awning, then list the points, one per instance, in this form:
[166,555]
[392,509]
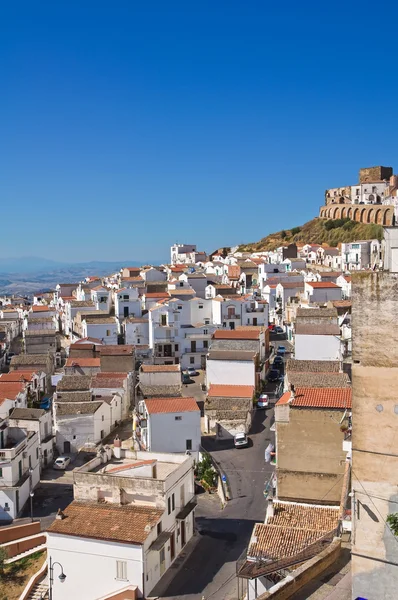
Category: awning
[161,540]
[188,508]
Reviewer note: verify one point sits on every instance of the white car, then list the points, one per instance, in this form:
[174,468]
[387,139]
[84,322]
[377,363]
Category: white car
[263,401]
[61,463]
[192,372]
[241,440]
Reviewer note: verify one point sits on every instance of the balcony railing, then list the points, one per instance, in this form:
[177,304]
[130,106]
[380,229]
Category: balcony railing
[13,451]
[165,355]
[231,317]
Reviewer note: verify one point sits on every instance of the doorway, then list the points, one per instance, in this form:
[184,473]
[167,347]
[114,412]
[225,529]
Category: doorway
[172,547]
[162,561]
[125,311]
[254,320]
[67,447]
[183,534]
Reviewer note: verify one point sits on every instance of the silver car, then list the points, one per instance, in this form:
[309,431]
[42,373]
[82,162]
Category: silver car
[241,440]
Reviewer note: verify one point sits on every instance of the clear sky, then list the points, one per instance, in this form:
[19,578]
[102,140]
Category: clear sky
[127,126]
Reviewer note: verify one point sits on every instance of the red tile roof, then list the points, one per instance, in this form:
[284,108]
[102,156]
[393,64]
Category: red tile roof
[157,295]
[126,524]
[111,375]
[323,284]
[17,376]
[319,398]
[238,334]
[83,362]
[37,308]
[160,368]
[230,391]
[171,405]
[116,350]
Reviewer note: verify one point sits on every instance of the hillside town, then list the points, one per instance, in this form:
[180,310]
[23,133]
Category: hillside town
[218,426]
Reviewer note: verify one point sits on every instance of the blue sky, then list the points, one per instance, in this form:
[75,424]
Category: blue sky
[126,126]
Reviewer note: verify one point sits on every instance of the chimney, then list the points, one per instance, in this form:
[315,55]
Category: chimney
[117,447]
[292,393]
[60,515]
[270,510]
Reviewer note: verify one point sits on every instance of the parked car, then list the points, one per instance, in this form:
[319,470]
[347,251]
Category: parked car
[61,463]
[241,440]
[185,376]
[263,401]
[192,372]
[274,375]
[281,350]
[278,362]
[278,330]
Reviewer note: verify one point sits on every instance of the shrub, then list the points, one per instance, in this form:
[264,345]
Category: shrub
[392,520]
[283,234]
[295,230]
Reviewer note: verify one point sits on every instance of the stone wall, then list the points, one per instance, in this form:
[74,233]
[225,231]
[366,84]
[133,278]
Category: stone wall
[374,174]
[363,213]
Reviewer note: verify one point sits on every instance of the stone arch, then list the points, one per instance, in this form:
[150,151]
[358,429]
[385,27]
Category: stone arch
[349,212]
[343,212]
[362,215]
[370,215]
[388,217]
[335,212]
[355,214]
[379,216]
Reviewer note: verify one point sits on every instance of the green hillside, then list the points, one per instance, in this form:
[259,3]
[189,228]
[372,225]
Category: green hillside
[318,231]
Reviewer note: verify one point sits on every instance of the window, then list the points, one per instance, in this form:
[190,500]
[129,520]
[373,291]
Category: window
[1,472]
[163,319]
[121,569]
[108,332]
[192,360]
[207,321]
[205,331]
[125,297]
[205,344]
[30,461]
[169,506]
[357,191]
[103,418]
[159,528]
[102,434]
[181,284]
[6,506]
[200,306]
[179,418]
[74,437]
[188,444]
[176,347]
[179,307]
[37,453]
[173,502]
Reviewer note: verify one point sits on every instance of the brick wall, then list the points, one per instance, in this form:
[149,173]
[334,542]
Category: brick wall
[16,532]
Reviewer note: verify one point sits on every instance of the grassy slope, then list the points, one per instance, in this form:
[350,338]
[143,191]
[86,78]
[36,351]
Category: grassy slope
[315,232]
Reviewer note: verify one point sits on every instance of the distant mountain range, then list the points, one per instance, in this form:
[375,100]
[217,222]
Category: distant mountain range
[31,274]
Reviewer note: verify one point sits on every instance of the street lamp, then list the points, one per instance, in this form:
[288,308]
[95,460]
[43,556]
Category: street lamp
[61,576]
[31,493]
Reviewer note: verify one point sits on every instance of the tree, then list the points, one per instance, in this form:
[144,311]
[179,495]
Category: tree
[392,520]
[283,234]
[3,557]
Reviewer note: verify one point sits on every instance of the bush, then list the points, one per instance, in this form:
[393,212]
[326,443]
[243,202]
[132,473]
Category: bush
[283,234]
[295,230]
[392,520]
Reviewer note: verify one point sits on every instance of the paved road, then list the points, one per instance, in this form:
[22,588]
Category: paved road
[222,535]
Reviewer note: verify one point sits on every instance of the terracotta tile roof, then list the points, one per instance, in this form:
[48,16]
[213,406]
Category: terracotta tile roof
[319,380]
[233,271]
[323,284]
[29,414]
[116,350]
[230,391]
[291,285]
[171,405]
[316,313]
[313,329]
[70,396]
[12,386]
[77,408]
[111,375]
[312,366]
[37,308]
[319,398]
[160,368]
[17,376]
[292,528]
[92,320]
[237,334]
[126,524]
[74,383]
[84,342]
[182,292]
[342,303]
[157,295]
[29,359]
[110,383]
[83,362]
[246,355]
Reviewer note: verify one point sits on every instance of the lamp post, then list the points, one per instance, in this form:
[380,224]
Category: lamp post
[61,576]
[31,493]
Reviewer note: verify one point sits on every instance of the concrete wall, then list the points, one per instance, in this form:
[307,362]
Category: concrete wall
[317,347]
[117,364]
[310,457]
[15,532]
[375,426]
[230,372]
[166,434]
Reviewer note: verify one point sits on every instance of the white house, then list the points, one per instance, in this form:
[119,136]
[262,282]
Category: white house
[136,331]
[102,298]
[360,255]
[103,328]
[160,380]
[40,422]
[317,342]
[171,425]
[127,303]
[19,468]
[197,281]
[322,291]
[78,424]
[132,515]
[232,367]
[344,281]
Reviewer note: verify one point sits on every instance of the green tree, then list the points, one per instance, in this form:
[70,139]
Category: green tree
[283,234]
[392,520]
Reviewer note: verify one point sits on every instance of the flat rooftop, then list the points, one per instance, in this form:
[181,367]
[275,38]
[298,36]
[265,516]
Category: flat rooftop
[138,468]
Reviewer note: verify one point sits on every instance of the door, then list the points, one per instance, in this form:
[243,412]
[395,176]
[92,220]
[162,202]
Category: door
[172,547]
[162,561]
[254,320]
[182,534]
[67,447]
[193,346]
[45,457]
[126,311]
[20,469]
[1,439]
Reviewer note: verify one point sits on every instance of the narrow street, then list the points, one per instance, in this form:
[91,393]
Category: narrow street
[223,534]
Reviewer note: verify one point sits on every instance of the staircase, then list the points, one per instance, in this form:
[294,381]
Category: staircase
[40,591]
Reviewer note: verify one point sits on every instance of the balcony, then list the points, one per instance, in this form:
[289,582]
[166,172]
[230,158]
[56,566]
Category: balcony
[231,317]
[163,354]
[12,449]
[258,309]
[187,509]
